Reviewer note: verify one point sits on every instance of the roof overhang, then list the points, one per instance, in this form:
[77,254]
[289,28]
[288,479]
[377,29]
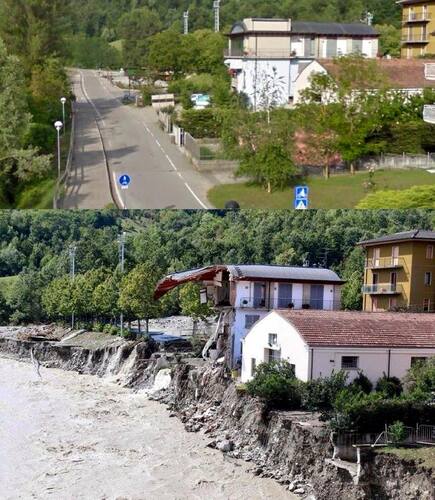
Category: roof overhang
[196,275]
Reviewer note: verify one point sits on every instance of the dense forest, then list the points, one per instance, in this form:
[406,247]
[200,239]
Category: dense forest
[35,246]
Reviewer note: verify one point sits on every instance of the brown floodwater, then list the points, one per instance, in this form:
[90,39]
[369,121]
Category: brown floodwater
[71,436]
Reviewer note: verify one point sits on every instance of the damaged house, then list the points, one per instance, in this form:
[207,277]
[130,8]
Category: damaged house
[244,294]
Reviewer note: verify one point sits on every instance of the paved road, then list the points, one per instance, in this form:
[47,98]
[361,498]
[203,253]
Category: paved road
[162,177]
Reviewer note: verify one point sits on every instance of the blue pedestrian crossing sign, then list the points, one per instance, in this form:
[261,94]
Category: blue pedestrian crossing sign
[301,197]
[124,180]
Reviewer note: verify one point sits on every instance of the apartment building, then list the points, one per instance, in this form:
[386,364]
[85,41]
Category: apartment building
[418,27]
[245,294]
[258,48]
[400,272]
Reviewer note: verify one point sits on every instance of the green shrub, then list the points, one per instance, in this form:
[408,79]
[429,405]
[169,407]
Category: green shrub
[397,432]
[320,394]
[389,386]
[421,377]
[201,123]
[370,412]
[276,385]
[362,383]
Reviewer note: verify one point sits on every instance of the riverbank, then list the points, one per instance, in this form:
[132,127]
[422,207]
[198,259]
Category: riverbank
[293,448]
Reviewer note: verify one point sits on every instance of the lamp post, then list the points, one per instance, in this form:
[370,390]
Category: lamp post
[72,255]
[63,101]
[58,126]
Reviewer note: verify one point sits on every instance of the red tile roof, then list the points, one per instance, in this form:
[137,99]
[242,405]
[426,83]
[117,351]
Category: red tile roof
[363,329]
[399,73]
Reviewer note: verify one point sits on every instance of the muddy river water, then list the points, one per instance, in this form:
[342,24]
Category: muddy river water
[71,436]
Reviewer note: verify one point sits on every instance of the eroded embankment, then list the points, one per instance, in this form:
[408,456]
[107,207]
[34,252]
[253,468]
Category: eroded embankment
[291,447]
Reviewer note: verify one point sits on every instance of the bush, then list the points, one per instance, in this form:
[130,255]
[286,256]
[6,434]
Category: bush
[362,383]
[370,412]
[389,386]
[397,432]
[276,385]
[201,123]
[320,394]
[421,377]
[42,137]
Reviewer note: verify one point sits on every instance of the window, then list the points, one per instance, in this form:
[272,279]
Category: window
[418,360]
[376,256]
[349,362]
[273,355]
[428,279]
[250,319]
[392,303]
[393,280]
[426,305]
[429,252]
[273,338]
[285,291]
[253,366]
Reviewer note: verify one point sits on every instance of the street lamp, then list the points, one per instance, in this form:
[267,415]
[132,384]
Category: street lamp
[58,126]
[63,101]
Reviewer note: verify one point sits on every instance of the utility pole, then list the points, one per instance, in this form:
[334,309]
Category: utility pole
[122,262]
[186,22]
[72,256]
[217,20]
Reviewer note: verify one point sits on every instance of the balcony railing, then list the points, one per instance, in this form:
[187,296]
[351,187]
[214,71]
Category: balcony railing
[288,303]
[415,39]
[384,262]
[382,289]
[417,17]
[261,53]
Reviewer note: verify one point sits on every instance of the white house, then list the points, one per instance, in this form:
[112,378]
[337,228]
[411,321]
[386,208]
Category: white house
[258,48]
[409,76]
[320,342]
[247,293]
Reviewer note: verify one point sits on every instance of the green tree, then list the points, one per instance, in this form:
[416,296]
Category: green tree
[389,43]
[137,293]
[191,305]
[57,298]
[135,27]
[16,163]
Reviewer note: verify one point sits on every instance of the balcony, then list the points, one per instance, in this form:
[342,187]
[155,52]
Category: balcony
[259,53]
[417,17]
[382,289]
[288,303]
[385,263]
[415,39]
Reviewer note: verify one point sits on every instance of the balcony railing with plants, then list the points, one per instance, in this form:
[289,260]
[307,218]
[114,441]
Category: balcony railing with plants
[382,288]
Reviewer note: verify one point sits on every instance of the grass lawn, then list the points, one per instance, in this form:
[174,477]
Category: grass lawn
[340,191]
[425,456]
[6,285]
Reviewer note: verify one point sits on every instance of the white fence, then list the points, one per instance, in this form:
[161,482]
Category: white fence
[391,161]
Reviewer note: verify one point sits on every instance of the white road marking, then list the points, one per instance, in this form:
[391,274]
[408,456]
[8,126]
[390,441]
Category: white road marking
[118,192]
[88,98]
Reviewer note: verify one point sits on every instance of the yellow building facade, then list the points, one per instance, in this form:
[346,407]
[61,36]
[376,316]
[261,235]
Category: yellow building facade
[400,272]
[418,28]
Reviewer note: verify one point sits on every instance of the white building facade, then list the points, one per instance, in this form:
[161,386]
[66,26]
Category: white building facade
[247,293]
[318,343]
[259,48]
